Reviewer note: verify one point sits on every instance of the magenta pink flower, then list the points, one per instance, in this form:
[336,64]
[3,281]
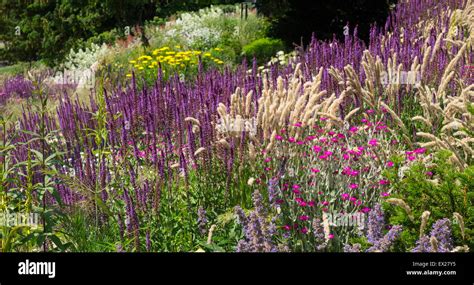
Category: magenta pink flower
[286,227]
[141,154]
[299,124]
[268,159]
[370,112]
[411,157]
[317,148]
[291,140]
[345,156]
[300,142]
[323,119]
[311,204]
[354,186]
[365,210]
[345,196]
[419,150]
[304,230]
[390,164]
[384,182]
[325,203]
[323,157]
[373,142]
[278,137]
[315,170]
[385,194]
[328,153]
[353,129]
[303,218]
[296,189]
[330,236]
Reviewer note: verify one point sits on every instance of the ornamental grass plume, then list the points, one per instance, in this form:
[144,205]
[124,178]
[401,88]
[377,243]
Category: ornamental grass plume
[460,221]
[424,220]
[402,204]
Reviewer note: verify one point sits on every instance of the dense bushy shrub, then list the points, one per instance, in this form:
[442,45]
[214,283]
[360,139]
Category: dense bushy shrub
[431,183]
[262,49]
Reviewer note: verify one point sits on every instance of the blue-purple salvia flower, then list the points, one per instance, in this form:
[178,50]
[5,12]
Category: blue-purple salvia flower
[384,244]
[319,236]
[352,248]
[257,229]
[441,231]
[375,224]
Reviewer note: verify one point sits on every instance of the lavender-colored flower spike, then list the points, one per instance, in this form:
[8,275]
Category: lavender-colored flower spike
[257,229]
[441,231]
[375,224]
[384,244]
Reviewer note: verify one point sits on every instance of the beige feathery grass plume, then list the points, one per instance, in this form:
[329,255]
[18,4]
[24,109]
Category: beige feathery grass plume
[402,204]
[326,227]
[250,181]
[424,220]
[460,220]
[437,45]
[449,72]
[193,120]
[455,122]
[434,244]
[463,248]
[175,165]
[425,61]
[199,150]
[224,143]
[394,116]
[351,113]
[211,232]
[252,152]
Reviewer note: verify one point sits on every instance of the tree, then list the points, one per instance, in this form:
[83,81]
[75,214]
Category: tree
[295,19]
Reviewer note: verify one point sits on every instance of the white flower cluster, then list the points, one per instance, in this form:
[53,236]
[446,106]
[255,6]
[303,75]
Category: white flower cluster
[283,58]
[86,59]
[198,30]
[80,66]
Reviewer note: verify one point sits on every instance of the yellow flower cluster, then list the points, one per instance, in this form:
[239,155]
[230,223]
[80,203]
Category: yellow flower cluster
[169,58]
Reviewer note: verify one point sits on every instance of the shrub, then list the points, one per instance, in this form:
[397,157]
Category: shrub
[262,49]
[431,183]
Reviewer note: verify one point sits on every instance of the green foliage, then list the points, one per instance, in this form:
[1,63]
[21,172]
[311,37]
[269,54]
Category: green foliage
[262,49]
[36,175]
[439,188]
